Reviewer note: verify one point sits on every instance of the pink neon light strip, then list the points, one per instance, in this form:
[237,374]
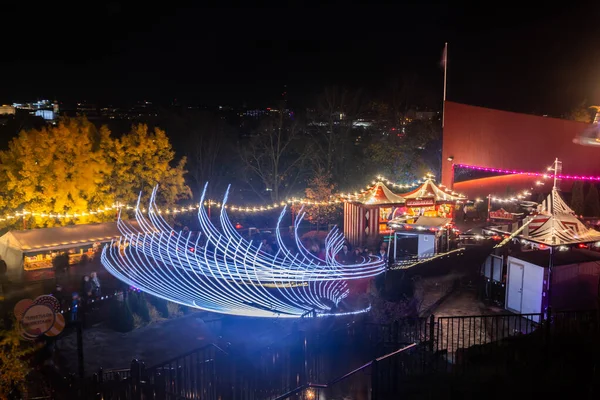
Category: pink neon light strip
[538,174]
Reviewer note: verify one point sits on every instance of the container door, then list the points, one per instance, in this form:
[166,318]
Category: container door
[514,289]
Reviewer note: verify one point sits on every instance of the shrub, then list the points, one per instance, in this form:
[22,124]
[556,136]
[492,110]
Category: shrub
[134,302]
[143,310]
[14,367]
[186,310]
[153,312]
[121,317]
[161,306]
[138,305]
[174,310]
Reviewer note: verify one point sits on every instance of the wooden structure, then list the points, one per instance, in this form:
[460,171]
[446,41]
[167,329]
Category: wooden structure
[366,215]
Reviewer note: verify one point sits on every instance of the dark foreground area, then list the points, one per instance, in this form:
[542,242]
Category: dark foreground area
[494,356]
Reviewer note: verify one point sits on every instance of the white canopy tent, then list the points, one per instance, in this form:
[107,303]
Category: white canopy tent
[556,224]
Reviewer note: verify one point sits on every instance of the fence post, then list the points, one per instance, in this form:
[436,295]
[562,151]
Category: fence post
[374,380]
[159,386]
[548,324]
[136,393]
[95,385]
[298,359]
[79,327]
[431,331]
[100,394]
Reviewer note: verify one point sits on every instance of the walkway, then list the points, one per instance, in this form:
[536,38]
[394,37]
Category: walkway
[153,343]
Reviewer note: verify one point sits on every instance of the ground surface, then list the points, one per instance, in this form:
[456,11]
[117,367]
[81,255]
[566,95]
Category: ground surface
[154,343]
[168,339]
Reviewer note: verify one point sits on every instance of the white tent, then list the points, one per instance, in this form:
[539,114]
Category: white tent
[430,190]
[556,224]
[379,195]
[15,245]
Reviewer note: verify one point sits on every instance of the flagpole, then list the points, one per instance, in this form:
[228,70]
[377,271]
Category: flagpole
[445,70]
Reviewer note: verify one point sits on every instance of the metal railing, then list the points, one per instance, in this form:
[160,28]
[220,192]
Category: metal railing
[285,368]
[373,388]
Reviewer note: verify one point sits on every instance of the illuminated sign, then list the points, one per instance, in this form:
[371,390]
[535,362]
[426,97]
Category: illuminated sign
[420,203]
[501,214]
[38,317]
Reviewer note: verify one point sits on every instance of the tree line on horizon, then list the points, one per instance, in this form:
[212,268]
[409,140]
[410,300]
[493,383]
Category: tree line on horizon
[339,144]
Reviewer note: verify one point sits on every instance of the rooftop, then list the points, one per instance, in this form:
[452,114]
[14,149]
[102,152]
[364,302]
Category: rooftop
[542,257]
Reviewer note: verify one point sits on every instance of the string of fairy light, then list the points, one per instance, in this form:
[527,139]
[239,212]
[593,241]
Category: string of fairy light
[512,199]
[336,199]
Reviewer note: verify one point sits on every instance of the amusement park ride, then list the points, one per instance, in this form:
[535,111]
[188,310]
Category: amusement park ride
[220,271]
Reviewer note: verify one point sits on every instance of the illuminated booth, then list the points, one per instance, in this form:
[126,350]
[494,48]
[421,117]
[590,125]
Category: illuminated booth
[34,249]
[366,216]
[430,200]
[425,226]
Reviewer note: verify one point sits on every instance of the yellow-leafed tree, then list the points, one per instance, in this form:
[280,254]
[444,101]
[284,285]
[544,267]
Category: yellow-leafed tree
[14,366]
[56,169]
[76,168]
[142,159]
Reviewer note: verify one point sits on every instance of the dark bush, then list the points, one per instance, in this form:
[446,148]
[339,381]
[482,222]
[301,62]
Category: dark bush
[133,301]
[138,305]
[160,305]
[121,317]
[185,310]
[143,310]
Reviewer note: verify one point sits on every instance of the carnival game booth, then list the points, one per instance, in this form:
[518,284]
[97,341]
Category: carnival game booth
[425,227]
[35,249]
[424,238]
[430,200]
[366,215]
[554,265]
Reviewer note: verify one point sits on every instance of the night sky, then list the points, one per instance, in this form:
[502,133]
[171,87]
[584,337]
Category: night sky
[542,59]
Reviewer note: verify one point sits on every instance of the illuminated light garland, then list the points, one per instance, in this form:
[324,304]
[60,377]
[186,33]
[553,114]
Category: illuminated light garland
[355,195]
[209,203]
[528,173]
[230,274]
[519,197]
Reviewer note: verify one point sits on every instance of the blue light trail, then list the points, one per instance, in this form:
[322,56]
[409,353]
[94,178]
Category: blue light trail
[229,274]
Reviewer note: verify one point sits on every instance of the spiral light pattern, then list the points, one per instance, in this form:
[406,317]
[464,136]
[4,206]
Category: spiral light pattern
[227,273]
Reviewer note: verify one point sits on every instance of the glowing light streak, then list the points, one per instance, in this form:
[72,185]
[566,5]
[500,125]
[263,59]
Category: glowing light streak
[230,274]
[536,174]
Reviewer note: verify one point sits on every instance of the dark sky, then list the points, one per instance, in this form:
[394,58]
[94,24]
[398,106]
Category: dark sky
[539,59]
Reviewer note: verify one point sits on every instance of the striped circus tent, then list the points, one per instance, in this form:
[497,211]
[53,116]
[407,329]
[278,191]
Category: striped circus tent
[361,215]
[430,190]
[556,224]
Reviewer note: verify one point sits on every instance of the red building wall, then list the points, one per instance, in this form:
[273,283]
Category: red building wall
[508,140]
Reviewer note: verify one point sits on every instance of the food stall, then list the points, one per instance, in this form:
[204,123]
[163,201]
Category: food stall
[424,226]
[366,215]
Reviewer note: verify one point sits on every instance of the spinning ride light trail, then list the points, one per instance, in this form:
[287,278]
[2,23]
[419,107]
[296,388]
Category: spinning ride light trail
[227,273]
